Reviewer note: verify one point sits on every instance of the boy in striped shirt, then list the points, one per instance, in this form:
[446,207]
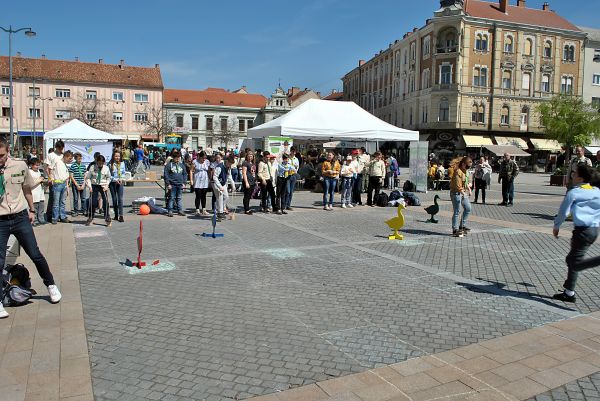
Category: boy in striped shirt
[76,176]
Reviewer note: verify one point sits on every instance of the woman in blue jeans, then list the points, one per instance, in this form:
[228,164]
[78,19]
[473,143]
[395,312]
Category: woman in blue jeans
[331,171]
[459,195]
[117,183]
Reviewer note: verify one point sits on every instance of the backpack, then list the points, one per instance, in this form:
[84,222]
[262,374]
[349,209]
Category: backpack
[382,199]
[16,283]
[409,186]
[395,195]
[412,199]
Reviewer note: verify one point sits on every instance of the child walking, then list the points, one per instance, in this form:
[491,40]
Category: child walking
[346,174]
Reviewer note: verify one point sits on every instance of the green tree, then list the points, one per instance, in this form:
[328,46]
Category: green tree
[570,121]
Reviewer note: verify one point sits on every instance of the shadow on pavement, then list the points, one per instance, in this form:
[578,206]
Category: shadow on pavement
[538,216]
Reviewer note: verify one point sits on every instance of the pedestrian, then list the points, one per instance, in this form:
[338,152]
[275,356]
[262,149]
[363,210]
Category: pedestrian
[582,202]
[117,184]
[331,172]
[58,176]
[248,179]
[365,159]
[284,170]
[347,176]
[221,179]
[265,174]
[459,195]
[576,161]
[391,171]
[37,191]
[99,178]
[482,171]
[292,178]
[200,181]
[175,176]
[77,178]
[17,213]
[139,159]
[597,163]
[508,171]
[376,176]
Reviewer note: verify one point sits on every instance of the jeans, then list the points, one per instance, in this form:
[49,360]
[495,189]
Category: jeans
[78,200]
[267,190]
[347,190]
[282,193]
[508,190]
[291,186]
[357,189]
[457,199]
[480,184]
[583,238]
[374,185]
[58,206]
[97,194]
[40,215]
[329,185]
[200,198]
[234,174]
[116,193]
[176,197]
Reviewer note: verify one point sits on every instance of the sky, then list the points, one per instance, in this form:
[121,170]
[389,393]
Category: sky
[231,43]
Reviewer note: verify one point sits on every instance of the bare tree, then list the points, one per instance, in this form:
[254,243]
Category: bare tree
[160,122]
[93,112]
[227,131]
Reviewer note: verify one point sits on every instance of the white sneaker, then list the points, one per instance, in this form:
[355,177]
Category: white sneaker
[343,205]
[330,207]
[3,313]
[55,295]
[350,205]
[197,212]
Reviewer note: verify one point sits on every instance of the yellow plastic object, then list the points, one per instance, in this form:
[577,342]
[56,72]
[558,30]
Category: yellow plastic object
[396,224]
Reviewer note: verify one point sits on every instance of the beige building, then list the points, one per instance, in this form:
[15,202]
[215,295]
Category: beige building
[47,93]
[473,75]
[591,71]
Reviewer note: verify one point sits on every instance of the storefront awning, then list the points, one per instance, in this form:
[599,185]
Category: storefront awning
[475,141]
[517,142]
[500,150]
[546,144]
[30,133]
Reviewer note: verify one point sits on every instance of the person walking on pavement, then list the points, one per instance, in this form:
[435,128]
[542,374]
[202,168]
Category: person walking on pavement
[459,195]
[582,202]
[58,176]
[482,172]
[508,171]
[376,176]
[17,213]
[576,161]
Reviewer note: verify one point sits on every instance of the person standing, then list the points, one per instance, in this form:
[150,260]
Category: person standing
[117,184]
[508,172]
[459,195]
[347,175]
[17,213]
[175,178]
[220,180]
[37,191]
[582,202]
[482,172]
[99,178]
[248,179]
[77,175]
[139,159]
[200,181]
[284,170]
[265,175]
[376,177]
[331,171]
[58,176]
[292,179]
[576,161]
[365,159]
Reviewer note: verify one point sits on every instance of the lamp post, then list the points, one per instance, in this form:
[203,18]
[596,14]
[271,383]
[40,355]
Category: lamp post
[43,116]
[10,31]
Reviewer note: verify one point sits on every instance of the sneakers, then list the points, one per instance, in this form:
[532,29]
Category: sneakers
[121,219]
[343,205]
[170,214]
[108,223]
[198,212]
[87,223]
[181,213]
[289,209]
[55,295]
[465,230]
[325,207]
[205,213]
[350,205]
[562,296]
[3,313]
[457,233]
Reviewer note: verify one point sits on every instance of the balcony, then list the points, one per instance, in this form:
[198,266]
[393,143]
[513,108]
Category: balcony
[444,87]
[446,50]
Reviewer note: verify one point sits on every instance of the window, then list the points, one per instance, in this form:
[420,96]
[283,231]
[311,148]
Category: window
[481,42]
[140,117]
[118,96]
[425,79]
[62,93]
[224,124]
[405,56]
[548,49]
[505,115]
[528,50]
[569,53]
[474,112]
[566,85]
[140,97]
[426,47]
[117,116]
[424,114]
[596,55]
[6,112]
[5,90]
[250,124]
[179,121]
[90,115]
[34,91]
[478,114]
[595,103]
[444,111]
[445,74]
[195,122]
[508,44]
[596,79]
[62,114]
[546,83]
[242,125]
[480,76]
[450,42]
[209,123]
[413,51]
[507,80]
[91,95]
[526,84]
[36,112]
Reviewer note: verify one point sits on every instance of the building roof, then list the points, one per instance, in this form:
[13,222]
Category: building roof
[515,14]
[81,72]
[214,97]
[334,96]
[593,33]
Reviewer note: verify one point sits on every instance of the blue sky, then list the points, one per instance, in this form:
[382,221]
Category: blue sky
[230,43]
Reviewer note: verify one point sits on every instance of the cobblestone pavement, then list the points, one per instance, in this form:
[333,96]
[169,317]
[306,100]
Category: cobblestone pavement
[285,301]
[587,388]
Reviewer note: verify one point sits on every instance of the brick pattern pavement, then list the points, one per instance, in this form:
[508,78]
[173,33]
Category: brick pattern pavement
[586,388]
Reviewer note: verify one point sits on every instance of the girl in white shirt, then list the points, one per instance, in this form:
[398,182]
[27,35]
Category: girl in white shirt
[199,180]
[347,174]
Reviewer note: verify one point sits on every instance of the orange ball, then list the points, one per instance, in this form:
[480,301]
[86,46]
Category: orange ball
[144,210]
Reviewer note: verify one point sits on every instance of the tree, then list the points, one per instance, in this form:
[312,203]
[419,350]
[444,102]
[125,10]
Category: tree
[93,112]
[570,121]
[227,132]
[160,122]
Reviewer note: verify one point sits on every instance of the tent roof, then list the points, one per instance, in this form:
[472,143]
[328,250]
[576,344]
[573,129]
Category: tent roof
[76,130]
[512,150]
[326,120]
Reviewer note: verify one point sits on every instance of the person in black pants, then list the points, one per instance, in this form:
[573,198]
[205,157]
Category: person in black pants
[266,175]
[482,171]
[248,179]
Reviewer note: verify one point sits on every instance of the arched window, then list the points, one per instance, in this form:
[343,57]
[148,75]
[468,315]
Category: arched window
[484,44]
[525,118]
[569,53]
[508,44]
[526,84]
[444,114]
[507,80]
[572,53]
[505,115]
[546,83]
[478,113]
[450,41]
[548,49]
[528,51]
[425,79]
[474,113]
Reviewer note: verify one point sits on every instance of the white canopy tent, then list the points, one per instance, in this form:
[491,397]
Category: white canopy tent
[328,120]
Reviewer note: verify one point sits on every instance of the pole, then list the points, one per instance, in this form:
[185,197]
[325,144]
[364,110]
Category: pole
[43,118]
[34,113]
[10,79]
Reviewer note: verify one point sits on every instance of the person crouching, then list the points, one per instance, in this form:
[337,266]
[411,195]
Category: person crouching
[99,177]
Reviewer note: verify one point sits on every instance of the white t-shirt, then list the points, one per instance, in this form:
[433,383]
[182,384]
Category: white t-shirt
[37,192]
[58,167]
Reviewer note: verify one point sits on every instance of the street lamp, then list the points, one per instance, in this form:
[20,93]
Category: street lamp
[10,31]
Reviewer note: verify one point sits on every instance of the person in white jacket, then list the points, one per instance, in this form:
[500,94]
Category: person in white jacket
[99,177]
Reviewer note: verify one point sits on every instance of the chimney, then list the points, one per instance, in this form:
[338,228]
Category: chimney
[43,57]
[122,64]
[101,61]
[546,6]
[361,63]
[521,3]
[293,91]
[156,65]
[504,6]
[77,59]
[18,54]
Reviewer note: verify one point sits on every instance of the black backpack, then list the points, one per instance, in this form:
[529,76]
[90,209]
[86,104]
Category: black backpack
[412,199]
[409,186]
[382,199]
[16,283]
[395,195]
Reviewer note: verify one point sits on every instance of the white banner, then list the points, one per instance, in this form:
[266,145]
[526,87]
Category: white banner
[419,164]
[87,149]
